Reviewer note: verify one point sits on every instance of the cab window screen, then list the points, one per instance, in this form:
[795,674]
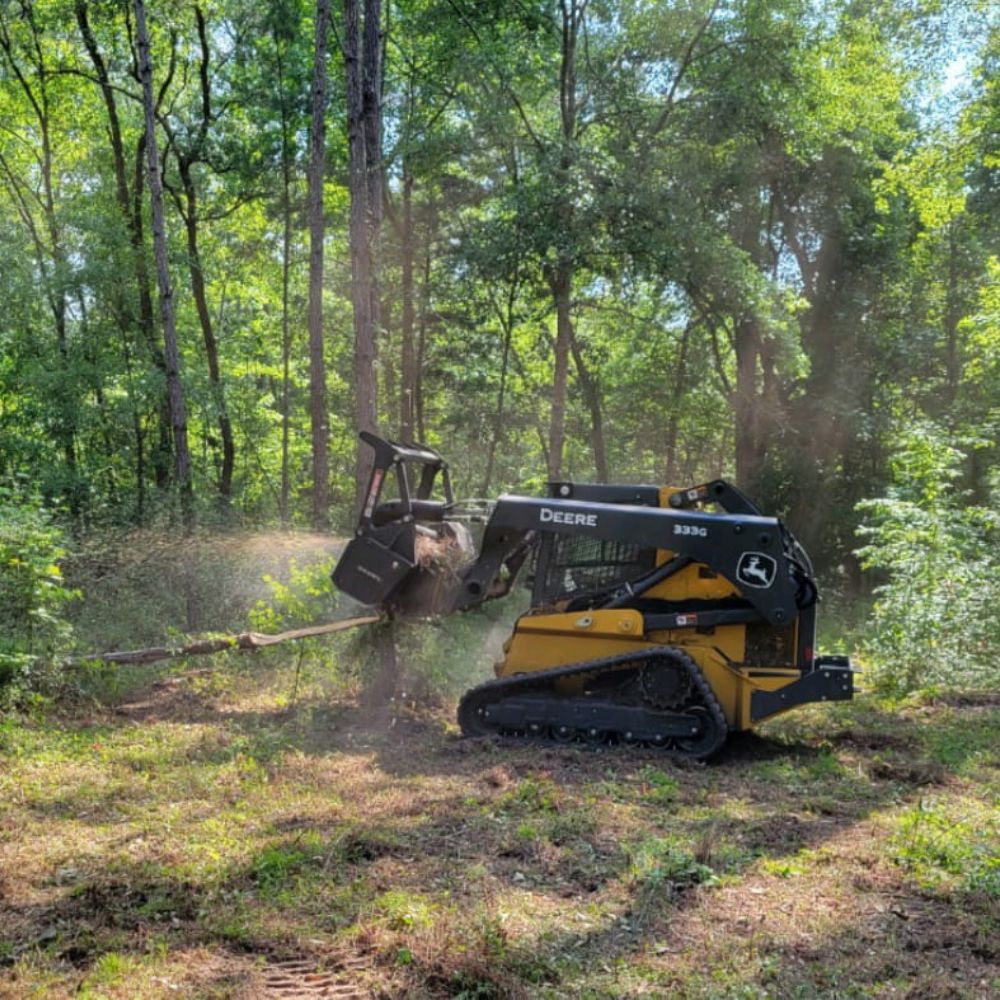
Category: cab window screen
[574,565]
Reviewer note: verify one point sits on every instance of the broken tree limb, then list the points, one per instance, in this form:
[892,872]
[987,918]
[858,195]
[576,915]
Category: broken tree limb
[245,640]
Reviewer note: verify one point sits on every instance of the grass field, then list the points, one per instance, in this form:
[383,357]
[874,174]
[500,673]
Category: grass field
[209,838]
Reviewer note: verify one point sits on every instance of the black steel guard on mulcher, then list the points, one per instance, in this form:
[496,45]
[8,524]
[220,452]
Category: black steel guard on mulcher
[382,554]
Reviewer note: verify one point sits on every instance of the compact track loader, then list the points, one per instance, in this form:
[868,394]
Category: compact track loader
[659,616]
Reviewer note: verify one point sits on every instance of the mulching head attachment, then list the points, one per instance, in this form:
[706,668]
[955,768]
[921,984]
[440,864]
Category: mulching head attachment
[407,553]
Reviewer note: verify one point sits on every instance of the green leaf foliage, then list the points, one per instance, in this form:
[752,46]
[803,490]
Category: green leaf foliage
[934,622]
[33,597]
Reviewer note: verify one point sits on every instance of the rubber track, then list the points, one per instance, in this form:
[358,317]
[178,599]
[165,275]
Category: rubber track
[543,679]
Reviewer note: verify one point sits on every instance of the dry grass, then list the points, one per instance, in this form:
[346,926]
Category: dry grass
[200,836]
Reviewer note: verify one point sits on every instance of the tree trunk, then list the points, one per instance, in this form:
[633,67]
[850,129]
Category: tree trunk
[952,317]
[178,413]
[381,688]
[408,360]
[286,252]
[363,64]
[208,334]
[561,276]
[163,448]
[673,418]
[561,285]
[425,304]
[371,77]
[498,419]
[748,453]
[364,294]
[317,228]
[371,81]
[67,408]
[755,407]
[223,644]
[592,395]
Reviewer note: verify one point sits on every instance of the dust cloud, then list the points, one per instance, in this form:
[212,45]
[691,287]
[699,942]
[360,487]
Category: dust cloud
[143,586]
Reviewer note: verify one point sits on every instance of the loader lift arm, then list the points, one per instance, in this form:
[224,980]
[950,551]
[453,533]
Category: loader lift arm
[726,543]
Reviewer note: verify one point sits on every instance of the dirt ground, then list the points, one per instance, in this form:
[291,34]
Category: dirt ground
[208,838]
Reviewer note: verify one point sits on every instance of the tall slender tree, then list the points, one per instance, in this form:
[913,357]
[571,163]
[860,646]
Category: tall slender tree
[178,411]
[189,145]
[319,418]
[363,62]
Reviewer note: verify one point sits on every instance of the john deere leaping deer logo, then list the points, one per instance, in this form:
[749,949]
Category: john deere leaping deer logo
[756,569]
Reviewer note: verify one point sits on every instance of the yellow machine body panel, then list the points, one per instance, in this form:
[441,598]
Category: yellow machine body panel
[694,581]
[546,641]
[543,641]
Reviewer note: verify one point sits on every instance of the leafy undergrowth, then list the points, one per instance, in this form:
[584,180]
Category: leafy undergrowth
[199,836]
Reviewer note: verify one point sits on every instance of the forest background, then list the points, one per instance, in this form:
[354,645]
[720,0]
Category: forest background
[594,240]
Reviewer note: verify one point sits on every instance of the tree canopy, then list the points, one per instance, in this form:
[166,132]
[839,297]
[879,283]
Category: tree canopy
[652,241]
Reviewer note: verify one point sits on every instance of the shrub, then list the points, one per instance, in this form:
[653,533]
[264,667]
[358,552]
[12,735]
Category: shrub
[656,861]
[937,845]
[935,619]
[307,597]
[33,598]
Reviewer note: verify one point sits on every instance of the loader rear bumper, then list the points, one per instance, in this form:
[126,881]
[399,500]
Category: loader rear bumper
[831,679]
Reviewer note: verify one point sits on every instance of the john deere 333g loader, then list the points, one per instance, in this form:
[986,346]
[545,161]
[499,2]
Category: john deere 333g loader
[659,616]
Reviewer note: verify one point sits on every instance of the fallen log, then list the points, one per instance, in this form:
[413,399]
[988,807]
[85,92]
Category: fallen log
[244,640]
